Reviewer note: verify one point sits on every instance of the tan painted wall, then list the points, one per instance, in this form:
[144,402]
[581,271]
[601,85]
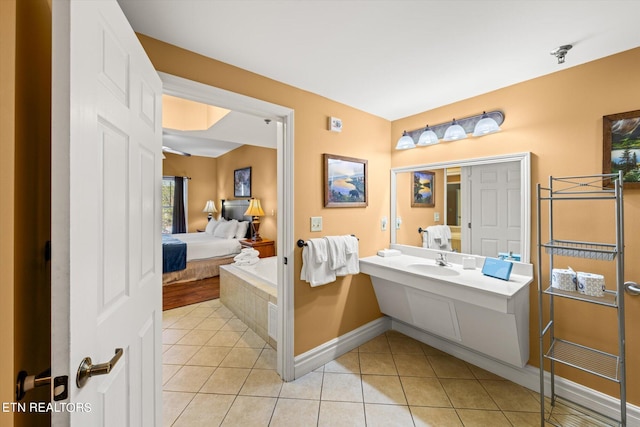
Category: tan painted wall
[7,216]
[203,172]
[323,313]
[25,214]
[558,118]
[264,184]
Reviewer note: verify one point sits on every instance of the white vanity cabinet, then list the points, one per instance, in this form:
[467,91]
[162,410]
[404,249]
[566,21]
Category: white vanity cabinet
[463,306]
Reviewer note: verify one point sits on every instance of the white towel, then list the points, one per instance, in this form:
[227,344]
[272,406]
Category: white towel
[248,261]
[315,265]
[247,253]
[438,237]
[337,251]
[352,264]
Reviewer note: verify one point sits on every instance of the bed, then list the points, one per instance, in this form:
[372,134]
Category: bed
[196,256]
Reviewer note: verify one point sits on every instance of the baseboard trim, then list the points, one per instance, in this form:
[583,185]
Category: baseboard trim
[331,350]
[527,376]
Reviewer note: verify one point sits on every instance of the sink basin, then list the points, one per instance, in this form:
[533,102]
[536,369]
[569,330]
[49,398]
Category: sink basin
[433,270]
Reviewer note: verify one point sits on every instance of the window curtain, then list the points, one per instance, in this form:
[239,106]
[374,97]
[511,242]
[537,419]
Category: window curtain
[179,222]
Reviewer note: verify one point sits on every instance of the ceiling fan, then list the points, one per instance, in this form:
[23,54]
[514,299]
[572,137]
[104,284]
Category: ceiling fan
[166,149]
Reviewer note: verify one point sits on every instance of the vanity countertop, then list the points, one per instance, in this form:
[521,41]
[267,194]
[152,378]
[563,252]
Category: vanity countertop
[472,279]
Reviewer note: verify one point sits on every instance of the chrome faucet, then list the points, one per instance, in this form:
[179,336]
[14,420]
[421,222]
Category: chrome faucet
[441,260]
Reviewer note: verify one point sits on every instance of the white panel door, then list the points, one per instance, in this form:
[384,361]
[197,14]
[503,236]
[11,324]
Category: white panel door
[107,267]
[494,208]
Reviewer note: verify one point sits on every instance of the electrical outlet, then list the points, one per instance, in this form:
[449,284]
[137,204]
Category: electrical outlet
[436,216]
[383,223]
[316,223]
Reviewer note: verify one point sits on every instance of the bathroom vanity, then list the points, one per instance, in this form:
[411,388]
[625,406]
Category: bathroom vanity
[482,313]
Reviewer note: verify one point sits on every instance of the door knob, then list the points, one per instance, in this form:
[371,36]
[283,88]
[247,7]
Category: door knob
[87,369]
[632,288]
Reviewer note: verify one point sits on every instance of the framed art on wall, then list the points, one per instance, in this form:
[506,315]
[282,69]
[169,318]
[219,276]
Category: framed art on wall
[621,146]
[242,182]
[345,181]
[423,189]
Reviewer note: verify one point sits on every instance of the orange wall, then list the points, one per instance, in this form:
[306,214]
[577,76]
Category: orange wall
[7,216]
[203,172]
[327,312]
[264,185]
[25,124]
[558,118]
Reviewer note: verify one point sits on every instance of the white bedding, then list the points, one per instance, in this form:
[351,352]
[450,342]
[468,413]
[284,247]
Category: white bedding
[204,245]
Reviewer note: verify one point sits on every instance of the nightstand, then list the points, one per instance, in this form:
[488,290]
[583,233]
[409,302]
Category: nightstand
[266,247]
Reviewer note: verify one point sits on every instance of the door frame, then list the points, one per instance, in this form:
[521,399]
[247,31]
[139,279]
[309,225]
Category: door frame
[195,91]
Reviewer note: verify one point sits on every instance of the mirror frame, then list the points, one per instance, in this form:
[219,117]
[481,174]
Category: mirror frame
[525,190]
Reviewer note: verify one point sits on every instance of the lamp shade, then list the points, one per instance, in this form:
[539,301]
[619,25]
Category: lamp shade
[485,126]
[427,137]
[405,142]
[454,132]
[210,207]
[254,209]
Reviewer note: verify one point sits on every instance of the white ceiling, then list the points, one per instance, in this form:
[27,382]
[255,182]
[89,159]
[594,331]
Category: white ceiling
[393,58]
[232,131]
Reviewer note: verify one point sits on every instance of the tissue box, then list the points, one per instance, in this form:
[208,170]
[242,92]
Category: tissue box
[564,279]
[591,284]
[497,268]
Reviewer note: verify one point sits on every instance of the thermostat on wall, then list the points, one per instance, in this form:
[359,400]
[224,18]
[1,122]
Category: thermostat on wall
[335,124]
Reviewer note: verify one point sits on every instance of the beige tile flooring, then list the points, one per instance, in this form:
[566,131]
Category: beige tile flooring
[218,372]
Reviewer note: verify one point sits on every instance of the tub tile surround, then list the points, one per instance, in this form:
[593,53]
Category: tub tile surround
[248,299]
[230,380]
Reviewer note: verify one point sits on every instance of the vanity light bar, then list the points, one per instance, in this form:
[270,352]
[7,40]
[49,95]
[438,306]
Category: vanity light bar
[467,123]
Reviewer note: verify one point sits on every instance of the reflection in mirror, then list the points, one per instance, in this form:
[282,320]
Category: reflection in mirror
[483,204]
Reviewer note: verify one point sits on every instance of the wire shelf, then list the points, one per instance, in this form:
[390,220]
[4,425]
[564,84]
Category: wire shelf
[610,298]
[586,359]
[599,251]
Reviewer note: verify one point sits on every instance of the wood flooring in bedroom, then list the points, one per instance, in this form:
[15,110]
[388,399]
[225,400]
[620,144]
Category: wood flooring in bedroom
[181,294]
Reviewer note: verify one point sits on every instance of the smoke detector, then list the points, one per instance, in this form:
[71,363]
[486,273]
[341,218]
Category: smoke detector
[560,52]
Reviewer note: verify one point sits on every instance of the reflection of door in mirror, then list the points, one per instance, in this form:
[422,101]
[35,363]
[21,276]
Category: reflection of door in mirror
[491,209]
[454,205]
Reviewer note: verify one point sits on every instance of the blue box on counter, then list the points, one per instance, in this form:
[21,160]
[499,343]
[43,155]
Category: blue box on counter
[497,268]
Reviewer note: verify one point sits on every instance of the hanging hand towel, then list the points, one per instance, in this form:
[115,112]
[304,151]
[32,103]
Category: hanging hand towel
[315,272]
[352,265]
[337,247]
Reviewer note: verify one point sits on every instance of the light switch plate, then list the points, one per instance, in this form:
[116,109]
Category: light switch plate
[316,223]
[436,216]
[383,223]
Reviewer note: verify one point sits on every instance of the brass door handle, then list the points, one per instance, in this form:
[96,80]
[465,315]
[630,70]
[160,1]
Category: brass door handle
[87,369]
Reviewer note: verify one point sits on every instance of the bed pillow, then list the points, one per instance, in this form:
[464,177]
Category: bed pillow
[241,232]
[226,230]
[211,226]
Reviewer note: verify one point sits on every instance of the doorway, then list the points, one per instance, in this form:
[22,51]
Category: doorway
[188,89]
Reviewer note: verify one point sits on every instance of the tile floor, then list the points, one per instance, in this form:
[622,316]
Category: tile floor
[218,372]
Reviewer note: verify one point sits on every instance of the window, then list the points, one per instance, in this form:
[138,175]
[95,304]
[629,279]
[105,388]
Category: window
[169,203]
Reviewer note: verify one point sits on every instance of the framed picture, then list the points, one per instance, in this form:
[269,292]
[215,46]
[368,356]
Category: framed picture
[621,146]
[242,182]
[345,182]
[423,189]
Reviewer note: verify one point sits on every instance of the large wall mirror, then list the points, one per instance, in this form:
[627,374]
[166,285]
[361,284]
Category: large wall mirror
[485,202]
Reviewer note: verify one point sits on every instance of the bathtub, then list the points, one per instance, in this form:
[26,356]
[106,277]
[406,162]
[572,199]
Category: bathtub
[266,271]
[250,292]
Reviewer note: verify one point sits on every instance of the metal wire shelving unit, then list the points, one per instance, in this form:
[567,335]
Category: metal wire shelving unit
[605,188]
